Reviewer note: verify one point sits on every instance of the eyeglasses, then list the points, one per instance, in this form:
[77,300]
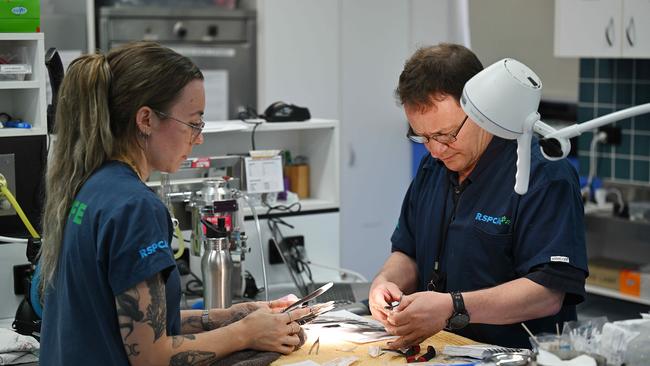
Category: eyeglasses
[197,127]
[443,138]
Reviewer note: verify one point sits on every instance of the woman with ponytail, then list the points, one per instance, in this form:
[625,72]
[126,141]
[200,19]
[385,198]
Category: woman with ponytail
[109,280]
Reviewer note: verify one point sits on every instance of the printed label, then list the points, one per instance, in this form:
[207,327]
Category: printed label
[503,220]
[19,10]
[560,258]
[152,248]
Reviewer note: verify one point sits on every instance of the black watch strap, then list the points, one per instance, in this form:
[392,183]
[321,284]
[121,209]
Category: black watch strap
[459,303]
[460,317]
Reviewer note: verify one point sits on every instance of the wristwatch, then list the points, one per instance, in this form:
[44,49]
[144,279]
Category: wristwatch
[460,317]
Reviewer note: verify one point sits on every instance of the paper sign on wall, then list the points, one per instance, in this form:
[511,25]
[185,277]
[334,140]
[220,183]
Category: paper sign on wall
[264,175]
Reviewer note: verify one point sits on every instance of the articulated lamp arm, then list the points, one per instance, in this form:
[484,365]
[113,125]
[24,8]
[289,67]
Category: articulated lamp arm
[503,100]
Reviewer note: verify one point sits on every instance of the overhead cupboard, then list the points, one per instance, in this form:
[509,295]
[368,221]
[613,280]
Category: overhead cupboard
[602,28]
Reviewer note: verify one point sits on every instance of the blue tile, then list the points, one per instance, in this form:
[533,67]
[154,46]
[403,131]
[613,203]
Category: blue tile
[585,114]
[601,111]
[584,141]
[623,94]
[625,124]
[586,93]
[622,169]
[641,171]
[587,68]
[605,93]
[642,146]
[604,148]
[642,122]
[626,144]
[604,168]
[606,68]
[642,94]
[624,69]
[642,70]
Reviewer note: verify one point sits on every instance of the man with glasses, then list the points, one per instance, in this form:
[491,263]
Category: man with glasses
[469,254]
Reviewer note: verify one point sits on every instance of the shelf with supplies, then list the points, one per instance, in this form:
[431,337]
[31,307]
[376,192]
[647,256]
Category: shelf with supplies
[22,82]
[316,140]
[597,290]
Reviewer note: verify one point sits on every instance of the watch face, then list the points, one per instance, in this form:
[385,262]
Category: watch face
[458,321]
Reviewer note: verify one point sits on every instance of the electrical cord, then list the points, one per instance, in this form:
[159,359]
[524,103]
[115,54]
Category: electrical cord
[184,269]
[358,275]
[11,240]
[185,240]
[297,263]
[247,114]
[598,137]
[4,191]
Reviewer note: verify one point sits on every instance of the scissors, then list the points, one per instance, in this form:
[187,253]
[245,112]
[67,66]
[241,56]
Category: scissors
[316,345]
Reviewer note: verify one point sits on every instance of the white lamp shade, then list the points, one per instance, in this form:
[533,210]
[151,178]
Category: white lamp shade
[502,97]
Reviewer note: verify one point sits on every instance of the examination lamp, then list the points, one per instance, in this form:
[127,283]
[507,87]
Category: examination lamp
[503,99]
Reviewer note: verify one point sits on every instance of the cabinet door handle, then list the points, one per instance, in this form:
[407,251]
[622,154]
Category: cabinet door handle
[630,32]
[608,29]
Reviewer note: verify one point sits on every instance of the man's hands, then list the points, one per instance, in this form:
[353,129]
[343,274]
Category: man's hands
[418,317]
[380,296]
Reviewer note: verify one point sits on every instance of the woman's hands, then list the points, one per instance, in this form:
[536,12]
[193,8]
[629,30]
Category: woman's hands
[265,330]
[275,306]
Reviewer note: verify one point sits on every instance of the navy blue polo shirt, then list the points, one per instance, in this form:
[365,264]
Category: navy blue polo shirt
[493,235]
[117,235]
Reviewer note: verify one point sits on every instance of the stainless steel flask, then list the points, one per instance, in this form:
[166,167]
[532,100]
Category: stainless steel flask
[216,267]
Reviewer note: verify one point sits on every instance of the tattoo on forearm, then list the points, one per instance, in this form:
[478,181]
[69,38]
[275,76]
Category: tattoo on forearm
[128,310]
[190,358]
[178,339]
[156,312]
[131,349]
[191,323]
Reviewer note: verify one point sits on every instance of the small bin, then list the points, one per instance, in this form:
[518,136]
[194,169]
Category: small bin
[20,16]
[14,65]
[298,175]
[15,72]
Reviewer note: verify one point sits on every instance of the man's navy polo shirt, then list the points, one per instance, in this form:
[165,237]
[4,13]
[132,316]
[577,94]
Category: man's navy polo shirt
[495,235]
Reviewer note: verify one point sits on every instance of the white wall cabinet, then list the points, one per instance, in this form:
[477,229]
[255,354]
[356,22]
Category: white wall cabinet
[636,28]
[602,28]
[24,99]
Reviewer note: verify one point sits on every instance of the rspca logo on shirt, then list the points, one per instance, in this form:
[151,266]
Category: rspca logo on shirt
[152,248]
[503,220]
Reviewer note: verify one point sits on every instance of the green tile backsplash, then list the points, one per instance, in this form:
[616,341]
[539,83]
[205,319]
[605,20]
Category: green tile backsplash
[608,85]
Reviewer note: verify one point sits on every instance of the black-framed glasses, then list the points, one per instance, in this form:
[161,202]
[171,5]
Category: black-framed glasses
[197,127]
[443,138]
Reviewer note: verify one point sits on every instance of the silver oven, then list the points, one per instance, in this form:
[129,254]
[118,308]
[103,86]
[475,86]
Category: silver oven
[221,42]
